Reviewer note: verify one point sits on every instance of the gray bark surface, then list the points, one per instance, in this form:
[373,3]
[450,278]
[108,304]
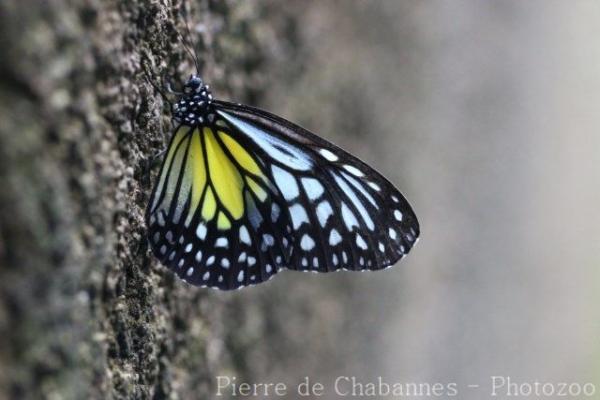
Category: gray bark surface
[85,311]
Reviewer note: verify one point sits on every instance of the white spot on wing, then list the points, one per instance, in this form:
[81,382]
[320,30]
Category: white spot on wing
[398,215]
[360,242]
[268,239]
[313,188]
[307,243]
[201,231]
[222,242]
[349,217]
[286,183]
[275,211]
[356,201]
[244,235]
[334,237]
[328,155]
[190,271]
[324,211]
[359,186]
[299,216]
[254,215]
[353,170]
[240,276]
[393,234]
[375,186]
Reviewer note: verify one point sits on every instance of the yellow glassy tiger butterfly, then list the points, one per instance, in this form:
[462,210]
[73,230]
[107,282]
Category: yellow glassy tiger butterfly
[243,193]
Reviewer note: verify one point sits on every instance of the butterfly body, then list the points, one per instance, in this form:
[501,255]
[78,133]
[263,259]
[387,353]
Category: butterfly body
[243,193]
[195,105]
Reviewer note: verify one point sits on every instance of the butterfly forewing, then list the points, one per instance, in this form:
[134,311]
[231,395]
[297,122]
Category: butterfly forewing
[250,193]
[344,214]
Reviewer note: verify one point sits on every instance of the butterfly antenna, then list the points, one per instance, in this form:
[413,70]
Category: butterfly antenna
[187,49]
[153,84]
[193,45]
[188,43]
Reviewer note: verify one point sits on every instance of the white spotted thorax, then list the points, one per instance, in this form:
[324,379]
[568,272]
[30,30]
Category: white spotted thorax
[194,107]
[243,194]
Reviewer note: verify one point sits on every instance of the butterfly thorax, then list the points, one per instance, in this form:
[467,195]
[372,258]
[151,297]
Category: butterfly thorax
[194,107]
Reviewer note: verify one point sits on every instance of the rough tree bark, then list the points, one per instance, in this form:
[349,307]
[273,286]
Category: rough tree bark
[85,311]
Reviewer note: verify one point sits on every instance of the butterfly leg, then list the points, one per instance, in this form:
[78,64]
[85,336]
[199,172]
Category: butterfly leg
[166,91]
[168,84]
[149,164]
[155,159]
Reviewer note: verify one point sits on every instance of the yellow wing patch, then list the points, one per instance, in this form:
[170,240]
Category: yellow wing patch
[255,187]
[195,173]
[224,176]
[170,179]
[223,222]
[210,205]
[240,154]
[216,170]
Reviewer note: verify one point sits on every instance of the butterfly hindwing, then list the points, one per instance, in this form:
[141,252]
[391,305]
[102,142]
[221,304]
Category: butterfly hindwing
[214,218]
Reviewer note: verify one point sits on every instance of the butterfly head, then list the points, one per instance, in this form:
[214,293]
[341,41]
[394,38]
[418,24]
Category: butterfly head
[194,106]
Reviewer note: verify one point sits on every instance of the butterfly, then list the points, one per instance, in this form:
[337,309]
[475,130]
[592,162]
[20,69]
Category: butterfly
[243,193]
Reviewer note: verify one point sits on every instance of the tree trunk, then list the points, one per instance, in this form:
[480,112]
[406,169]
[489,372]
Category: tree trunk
[85,310]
